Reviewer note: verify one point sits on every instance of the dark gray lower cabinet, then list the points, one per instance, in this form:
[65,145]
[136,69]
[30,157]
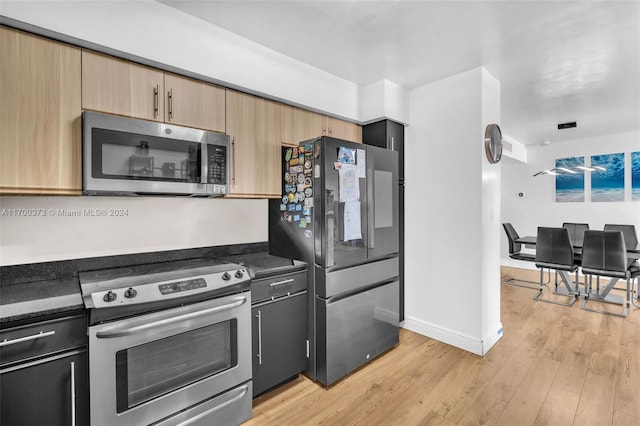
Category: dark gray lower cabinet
[279,331]
[40,393]
[44,380]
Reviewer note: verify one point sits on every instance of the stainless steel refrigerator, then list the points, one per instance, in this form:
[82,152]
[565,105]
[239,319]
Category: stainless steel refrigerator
[390,135]
[339,213]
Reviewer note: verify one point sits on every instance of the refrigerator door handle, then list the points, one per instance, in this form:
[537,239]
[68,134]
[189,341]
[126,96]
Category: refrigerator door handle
[372,203]
[361,290]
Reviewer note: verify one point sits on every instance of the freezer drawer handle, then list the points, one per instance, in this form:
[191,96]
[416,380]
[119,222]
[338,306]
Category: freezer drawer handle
[124,330]
[281,282]
[6,342]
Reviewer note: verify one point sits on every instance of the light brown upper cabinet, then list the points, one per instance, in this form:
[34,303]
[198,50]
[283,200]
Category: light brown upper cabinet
[194,104]
[254,125]
[299,125]
[122,87]
[344,130]
[40,142]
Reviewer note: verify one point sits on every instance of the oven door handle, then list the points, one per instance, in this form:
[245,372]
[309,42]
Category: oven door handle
[125,329]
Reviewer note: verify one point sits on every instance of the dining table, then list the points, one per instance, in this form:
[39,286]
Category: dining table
[633,253]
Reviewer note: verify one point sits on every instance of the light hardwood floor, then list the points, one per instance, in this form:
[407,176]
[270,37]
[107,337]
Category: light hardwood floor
[554,366]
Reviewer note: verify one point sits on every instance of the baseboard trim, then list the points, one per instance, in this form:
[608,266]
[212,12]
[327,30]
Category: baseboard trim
[518,264]
[492,339]
[469,344]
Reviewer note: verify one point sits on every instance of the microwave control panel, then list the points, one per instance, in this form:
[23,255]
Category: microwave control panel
[217,164]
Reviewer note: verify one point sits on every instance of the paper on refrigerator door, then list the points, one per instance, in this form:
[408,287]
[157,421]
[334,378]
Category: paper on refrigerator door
[362,163]
[349,186]
[352,226]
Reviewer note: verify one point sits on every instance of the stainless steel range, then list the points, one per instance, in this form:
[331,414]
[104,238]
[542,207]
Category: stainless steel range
[169,343]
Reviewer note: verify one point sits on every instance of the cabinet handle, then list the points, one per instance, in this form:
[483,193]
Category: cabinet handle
[6,342]
[392,144]
[170,104]
[281,282]
[259,316]
[156,92]
[73,394]
[233,163]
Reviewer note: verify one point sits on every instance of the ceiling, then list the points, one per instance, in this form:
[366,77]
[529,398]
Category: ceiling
[556,61]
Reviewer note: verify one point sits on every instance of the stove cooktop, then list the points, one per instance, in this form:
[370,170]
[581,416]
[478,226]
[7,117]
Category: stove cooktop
[158,281]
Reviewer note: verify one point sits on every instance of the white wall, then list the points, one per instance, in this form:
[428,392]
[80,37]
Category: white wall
[514,149]
[491,326]
[538,206]
[452,213]
[150,224]
[383,99]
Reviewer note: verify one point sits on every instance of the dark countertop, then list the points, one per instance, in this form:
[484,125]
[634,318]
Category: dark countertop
[263,265]
[32,292]
[29,301]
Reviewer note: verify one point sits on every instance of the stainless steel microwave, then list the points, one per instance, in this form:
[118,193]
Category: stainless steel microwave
[127,156]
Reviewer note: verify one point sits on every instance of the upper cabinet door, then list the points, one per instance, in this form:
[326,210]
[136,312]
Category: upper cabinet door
[121,87]
[254,125]
[40,145]
[300,125]
[344,130]
[194,104]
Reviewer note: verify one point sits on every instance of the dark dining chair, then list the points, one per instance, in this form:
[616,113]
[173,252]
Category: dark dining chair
[576,230]
[628,232]
[604,254]
[576,233]
[630,240]
[516,254]
[555,251]
[634,275]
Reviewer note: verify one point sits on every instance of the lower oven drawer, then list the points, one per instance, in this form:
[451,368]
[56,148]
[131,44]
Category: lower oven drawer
[355,329]
[230,408]
[281,285]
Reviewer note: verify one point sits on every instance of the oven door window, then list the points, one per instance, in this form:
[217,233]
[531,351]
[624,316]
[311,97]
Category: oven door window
[123,155]
[156,368]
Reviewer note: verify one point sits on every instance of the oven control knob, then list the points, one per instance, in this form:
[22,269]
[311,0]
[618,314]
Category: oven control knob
[226,276]
[130,293]
[110,297]
[239,274]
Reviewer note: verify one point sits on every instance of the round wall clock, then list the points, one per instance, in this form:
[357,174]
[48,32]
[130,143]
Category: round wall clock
[493,143]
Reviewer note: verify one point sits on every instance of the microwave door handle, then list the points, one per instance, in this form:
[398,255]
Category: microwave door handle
[204,164]
[124,329]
